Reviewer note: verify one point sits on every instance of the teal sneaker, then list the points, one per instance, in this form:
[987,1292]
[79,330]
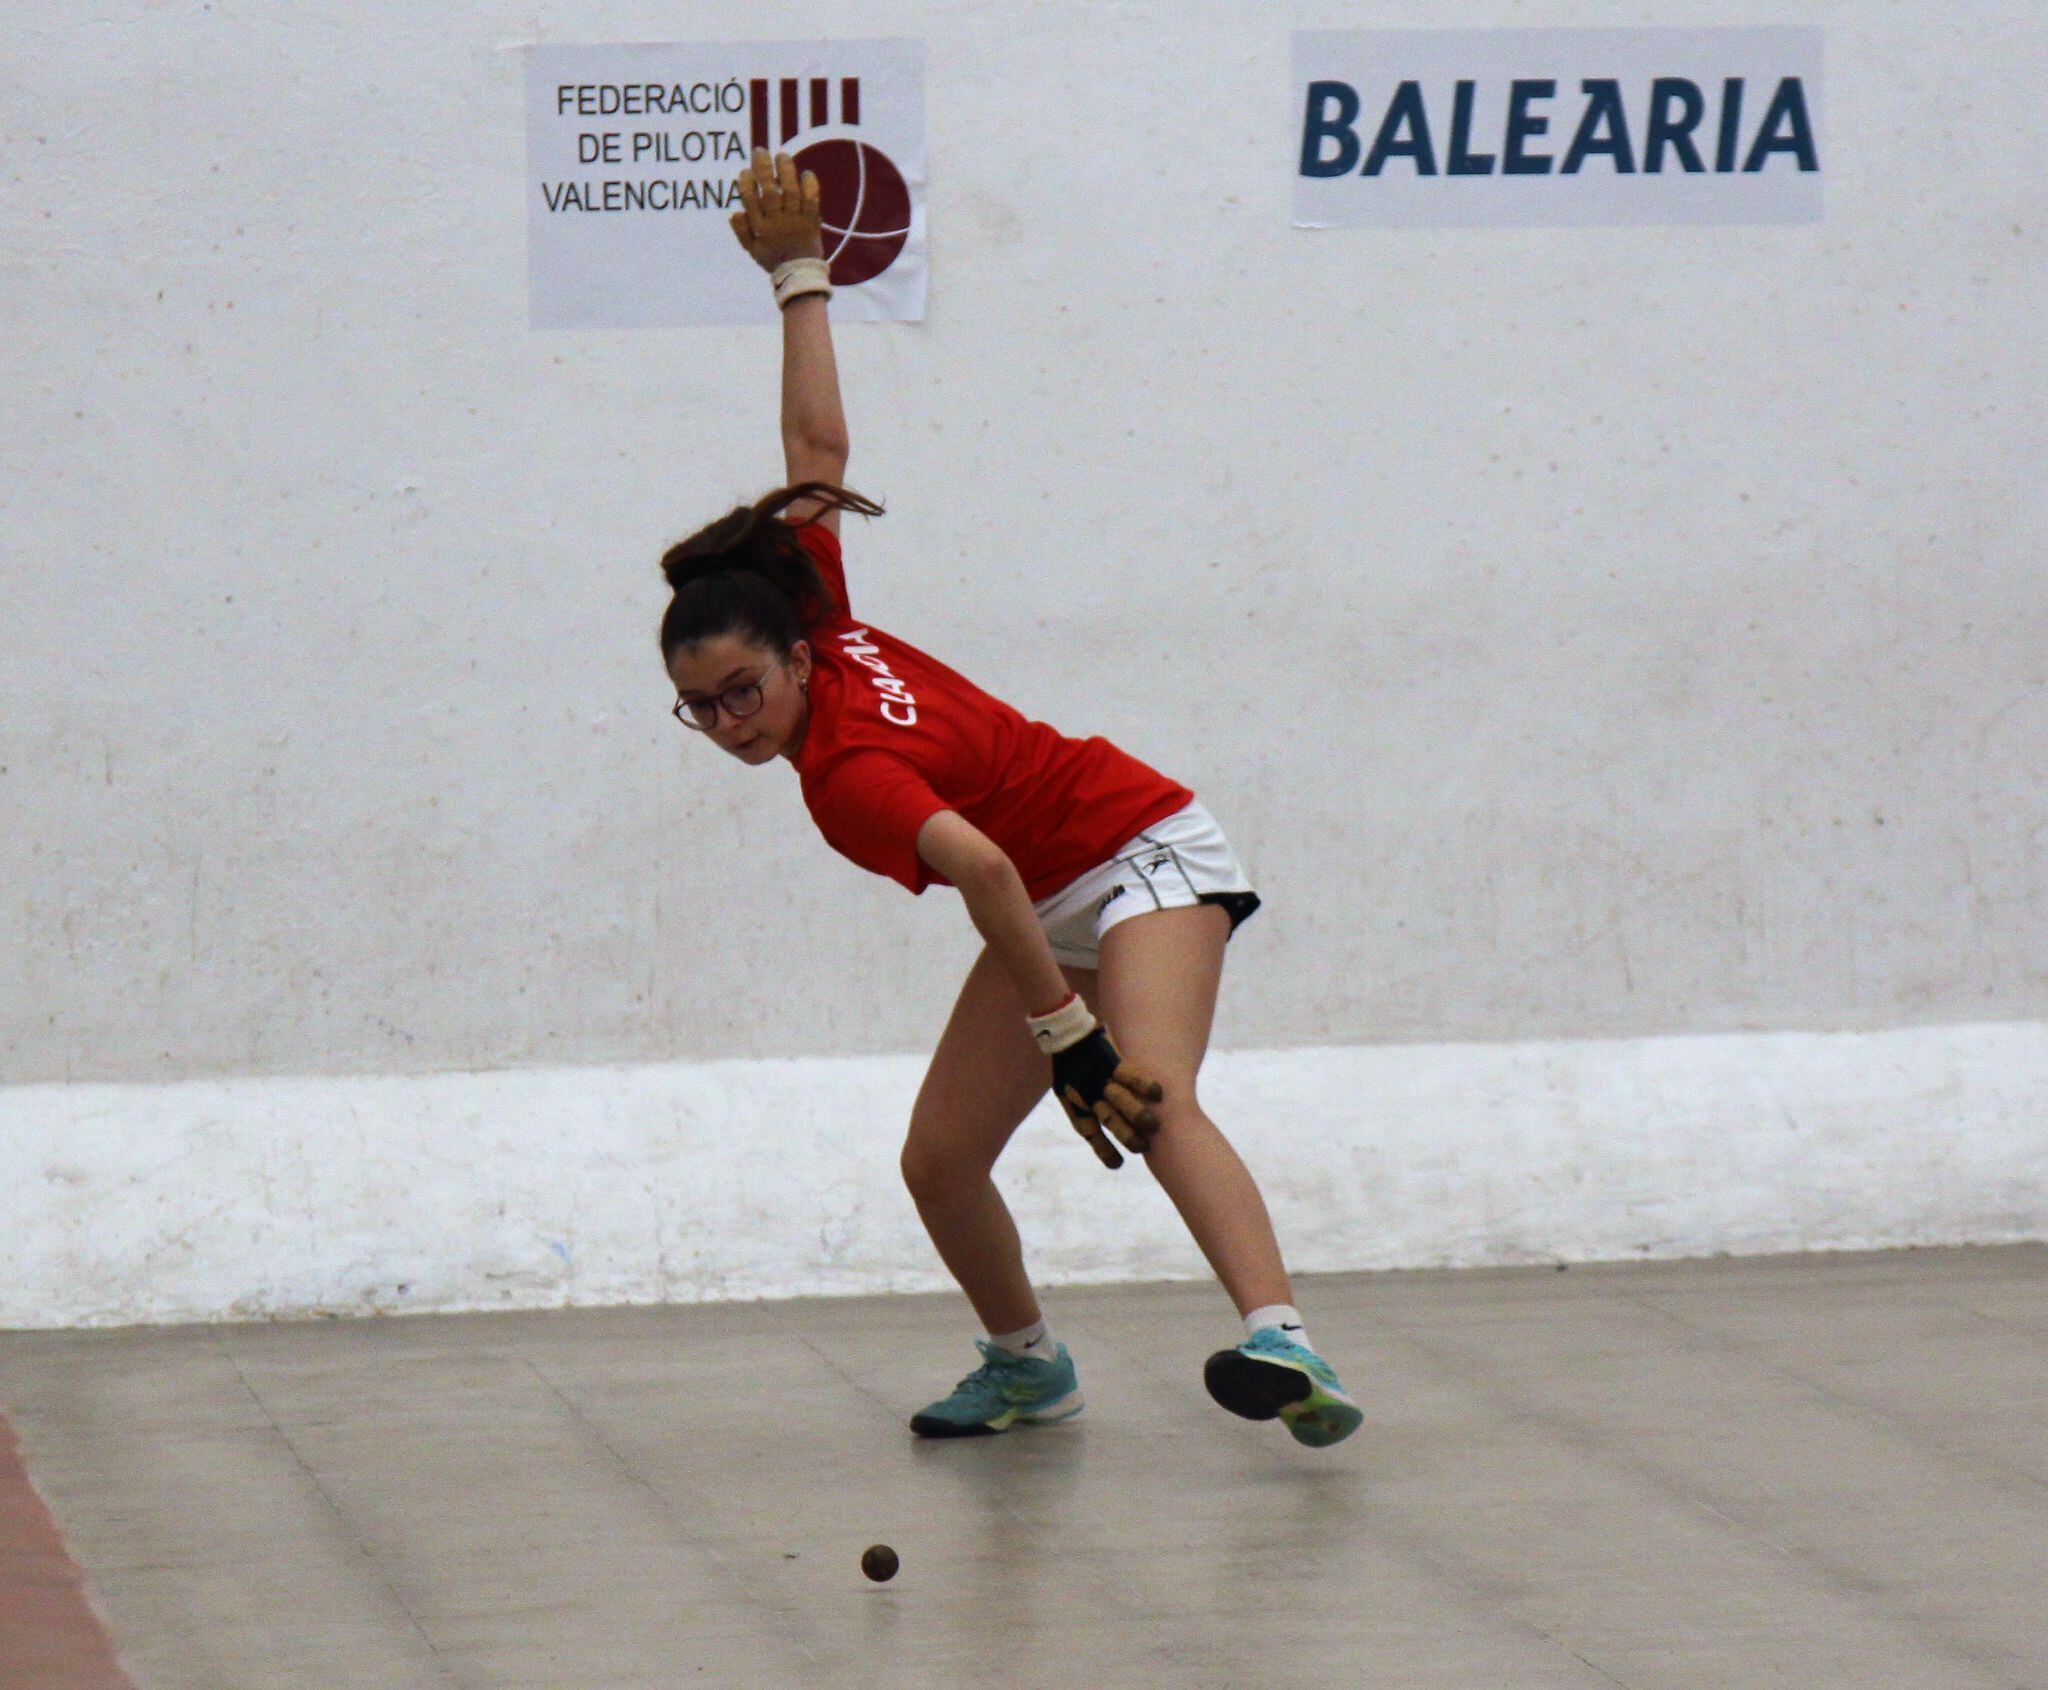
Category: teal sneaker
[1001,1392]
[1271,1374]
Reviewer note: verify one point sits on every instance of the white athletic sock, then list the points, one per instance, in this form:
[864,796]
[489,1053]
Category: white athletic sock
[1282,1315]
[1033,1341]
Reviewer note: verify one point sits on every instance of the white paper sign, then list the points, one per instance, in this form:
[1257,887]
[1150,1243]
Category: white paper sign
[632,155]
[1463,127]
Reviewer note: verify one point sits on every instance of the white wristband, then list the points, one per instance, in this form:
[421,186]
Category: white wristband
[800,276]
[1068,1025]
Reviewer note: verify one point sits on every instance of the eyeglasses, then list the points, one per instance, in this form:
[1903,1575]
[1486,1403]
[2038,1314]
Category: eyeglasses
[740,702]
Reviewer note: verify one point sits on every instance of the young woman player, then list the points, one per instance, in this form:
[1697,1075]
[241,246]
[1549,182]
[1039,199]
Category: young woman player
[1099,886]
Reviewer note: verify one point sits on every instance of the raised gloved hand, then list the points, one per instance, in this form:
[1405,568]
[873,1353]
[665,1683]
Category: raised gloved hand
[1095,1085]
[779,219]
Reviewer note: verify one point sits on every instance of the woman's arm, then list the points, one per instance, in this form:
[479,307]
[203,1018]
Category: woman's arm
[779,220]
[997,904]
[1001,911]
[814,444]
[1099,1090]
[811,415]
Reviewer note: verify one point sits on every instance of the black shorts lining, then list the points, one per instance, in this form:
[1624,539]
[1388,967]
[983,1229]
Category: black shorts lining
[1239,904]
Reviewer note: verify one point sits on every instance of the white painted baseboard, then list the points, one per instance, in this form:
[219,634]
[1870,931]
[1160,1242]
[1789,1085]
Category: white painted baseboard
[548,1187]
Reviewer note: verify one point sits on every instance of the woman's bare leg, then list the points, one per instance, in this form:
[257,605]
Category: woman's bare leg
[1157,993]
[985,1077]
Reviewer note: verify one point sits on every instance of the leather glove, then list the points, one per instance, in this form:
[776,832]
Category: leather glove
[779,219]
[1095,1085]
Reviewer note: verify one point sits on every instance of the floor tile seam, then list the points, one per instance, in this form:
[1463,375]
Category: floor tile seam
[1985,1465]
[865,1392]
[2034,1330]
[226,1652]
[378,1572]
[1591,1446]
[1458,1580]
[1826,1577]
[1247,1432]
[744,1597]
[1928,1293]
[1602,1276]
[1455,1577]
[1581,1657]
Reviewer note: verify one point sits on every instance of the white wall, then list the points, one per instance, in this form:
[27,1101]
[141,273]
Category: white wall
[675,1182]
[1583,633]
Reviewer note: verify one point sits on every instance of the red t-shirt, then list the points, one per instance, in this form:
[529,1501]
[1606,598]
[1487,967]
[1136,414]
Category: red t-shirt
[895,737]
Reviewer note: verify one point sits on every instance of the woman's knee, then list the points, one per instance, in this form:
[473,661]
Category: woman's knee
[938,1173]
[1175,1080]
[1180,1110]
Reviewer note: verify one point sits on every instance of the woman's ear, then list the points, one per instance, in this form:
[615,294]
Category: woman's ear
[800,661]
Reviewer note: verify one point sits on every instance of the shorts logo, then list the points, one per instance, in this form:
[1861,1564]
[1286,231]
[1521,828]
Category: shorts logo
[1156,864]
[1110,897]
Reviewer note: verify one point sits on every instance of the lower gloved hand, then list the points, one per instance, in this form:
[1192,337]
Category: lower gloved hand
[1095,1085]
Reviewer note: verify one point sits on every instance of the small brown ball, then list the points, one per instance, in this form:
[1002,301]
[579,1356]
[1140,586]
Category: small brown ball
[879,1562]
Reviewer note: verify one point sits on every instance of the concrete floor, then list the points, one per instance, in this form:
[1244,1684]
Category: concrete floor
[1808,1472]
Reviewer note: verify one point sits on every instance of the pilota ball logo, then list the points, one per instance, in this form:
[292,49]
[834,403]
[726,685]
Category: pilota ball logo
[864,204]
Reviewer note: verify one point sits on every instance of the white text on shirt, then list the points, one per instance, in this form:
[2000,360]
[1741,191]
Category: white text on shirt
[894,692]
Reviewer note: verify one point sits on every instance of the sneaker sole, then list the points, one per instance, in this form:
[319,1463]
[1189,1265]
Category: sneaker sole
[1256,1390]
[928,1426]
[1323,1420]
[1264,1390]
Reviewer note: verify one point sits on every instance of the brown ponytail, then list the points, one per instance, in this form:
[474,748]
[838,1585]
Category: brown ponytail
[748,574]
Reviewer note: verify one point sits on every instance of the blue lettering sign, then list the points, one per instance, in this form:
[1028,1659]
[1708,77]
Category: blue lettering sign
[1604,129]
[1404,133]
[1522,124]
[1319,126]
[1788,106]
[1665,130]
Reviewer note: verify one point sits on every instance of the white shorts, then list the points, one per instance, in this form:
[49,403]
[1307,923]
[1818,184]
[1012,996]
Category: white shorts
[1183,860]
